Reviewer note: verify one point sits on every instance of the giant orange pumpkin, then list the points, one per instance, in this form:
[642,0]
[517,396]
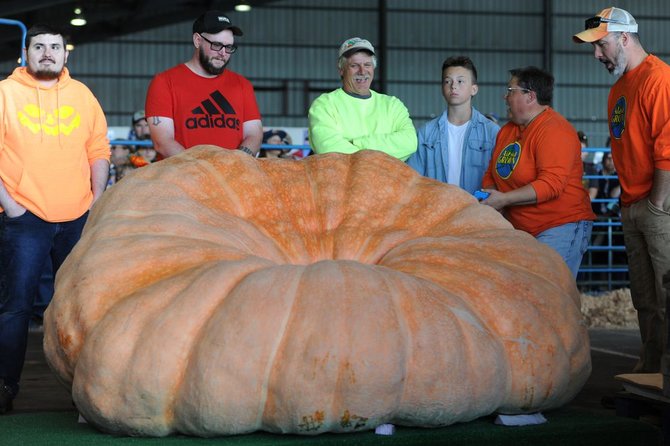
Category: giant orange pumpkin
[213,293]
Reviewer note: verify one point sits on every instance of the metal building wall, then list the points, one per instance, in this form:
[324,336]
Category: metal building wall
[289,52]
[422,34]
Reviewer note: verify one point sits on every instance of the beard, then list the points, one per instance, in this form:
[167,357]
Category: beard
[619,62]
[208,67]
[142,137]
[46,75]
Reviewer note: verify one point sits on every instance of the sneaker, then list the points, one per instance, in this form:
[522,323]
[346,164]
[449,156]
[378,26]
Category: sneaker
[6,398]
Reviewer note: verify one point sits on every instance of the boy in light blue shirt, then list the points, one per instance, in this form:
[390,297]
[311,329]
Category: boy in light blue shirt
[456,147]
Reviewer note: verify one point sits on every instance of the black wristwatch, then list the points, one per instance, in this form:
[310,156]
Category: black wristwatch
[246,149]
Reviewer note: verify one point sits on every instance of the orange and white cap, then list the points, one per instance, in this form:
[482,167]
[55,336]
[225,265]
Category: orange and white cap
[606,21]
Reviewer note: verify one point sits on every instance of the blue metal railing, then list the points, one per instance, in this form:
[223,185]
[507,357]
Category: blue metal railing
[148,143]
[24,32]
[614,271]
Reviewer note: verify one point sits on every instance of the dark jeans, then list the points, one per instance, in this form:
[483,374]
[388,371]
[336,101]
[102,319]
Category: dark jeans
[25,244]
[45,291]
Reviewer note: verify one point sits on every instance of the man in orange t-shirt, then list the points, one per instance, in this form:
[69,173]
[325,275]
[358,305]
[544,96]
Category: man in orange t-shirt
[535,173]
[639,120]
[54,162]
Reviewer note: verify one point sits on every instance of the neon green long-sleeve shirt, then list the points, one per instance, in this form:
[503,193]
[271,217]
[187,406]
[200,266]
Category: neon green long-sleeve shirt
[339,122]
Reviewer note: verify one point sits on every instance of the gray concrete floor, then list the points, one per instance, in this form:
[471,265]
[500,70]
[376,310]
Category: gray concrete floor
[613,352]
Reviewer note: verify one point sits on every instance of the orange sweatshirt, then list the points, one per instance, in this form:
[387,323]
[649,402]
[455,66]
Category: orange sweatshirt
[546,155]
[639,117]
[49,137]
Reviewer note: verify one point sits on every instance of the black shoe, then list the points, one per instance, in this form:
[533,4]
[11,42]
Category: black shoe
[6,398]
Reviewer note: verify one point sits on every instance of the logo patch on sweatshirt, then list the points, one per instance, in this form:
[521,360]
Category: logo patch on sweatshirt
[508,159]
[60,121]
[211,113]
[618,117]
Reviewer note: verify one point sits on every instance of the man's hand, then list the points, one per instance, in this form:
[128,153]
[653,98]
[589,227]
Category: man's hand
[10,206]
[15,210]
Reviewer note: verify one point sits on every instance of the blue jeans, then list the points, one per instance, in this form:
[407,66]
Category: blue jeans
[570,240]
[45,291]
[25,244]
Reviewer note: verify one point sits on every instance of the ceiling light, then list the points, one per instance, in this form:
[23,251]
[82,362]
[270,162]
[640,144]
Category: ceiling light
[78,19]
[69,47]
[243,7]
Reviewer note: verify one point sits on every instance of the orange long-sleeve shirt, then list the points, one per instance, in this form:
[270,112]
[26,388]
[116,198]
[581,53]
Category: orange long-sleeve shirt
[49,137]
[639,117]
[546,155]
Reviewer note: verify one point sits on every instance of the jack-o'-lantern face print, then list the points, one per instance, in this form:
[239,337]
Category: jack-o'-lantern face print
[61,121]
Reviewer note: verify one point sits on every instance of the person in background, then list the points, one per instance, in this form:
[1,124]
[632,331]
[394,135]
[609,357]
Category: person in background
[119,163]
[535,175]
[276,137]
[607,188]
[140,127]
[202,102]
[589,167]
[141,155]
[639,123]
[54,162]
[354,117]
[456,147]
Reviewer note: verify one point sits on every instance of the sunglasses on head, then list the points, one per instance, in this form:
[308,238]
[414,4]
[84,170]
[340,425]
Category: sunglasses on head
[595,22]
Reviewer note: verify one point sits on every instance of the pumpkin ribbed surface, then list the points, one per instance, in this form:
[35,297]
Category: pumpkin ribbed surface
[213,293]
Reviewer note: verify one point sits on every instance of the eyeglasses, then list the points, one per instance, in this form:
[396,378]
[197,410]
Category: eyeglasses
[595,22]
[511,89]
[218,46]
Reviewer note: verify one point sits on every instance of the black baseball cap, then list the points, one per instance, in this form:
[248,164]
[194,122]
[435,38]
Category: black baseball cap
[213,22]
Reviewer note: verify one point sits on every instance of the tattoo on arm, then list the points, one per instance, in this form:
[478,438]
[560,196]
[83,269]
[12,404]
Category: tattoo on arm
[156,120]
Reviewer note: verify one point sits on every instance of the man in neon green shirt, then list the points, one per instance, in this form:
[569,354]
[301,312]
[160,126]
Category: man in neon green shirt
[353,117]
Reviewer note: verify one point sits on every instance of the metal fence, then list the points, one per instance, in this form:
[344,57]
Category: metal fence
[605,265]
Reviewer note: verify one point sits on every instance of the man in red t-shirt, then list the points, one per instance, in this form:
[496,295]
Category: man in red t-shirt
[200,102]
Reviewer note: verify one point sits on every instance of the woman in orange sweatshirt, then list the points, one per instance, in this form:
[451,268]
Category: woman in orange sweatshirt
[535,174]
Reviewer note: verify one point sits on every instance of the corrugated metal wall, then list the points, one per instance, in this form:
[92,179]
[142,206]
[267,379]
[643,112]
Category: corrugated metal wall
[289,52]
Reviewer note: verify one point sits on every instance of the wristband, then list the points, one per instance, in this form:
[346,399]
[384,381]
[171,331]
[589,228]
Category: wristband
[246,149]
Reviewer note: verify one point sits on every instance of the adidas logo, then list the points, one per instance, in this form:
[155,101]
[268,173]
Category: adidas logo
[213,116]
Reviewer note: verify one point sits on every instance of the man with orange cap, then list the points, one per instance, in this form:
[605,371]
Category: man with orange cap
[638,110]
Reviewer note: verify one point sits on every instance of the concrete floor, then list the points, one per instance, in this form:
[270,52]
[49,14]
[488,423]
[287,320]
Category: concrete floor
[613,352]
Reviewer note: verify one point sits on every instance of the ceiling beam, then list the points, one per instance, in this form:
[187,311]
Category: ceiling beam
[23,7]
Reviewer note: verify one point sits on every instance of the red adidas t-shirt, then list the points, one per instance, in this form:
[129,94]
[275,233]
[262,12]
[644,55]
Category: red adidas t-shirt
[204,110]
